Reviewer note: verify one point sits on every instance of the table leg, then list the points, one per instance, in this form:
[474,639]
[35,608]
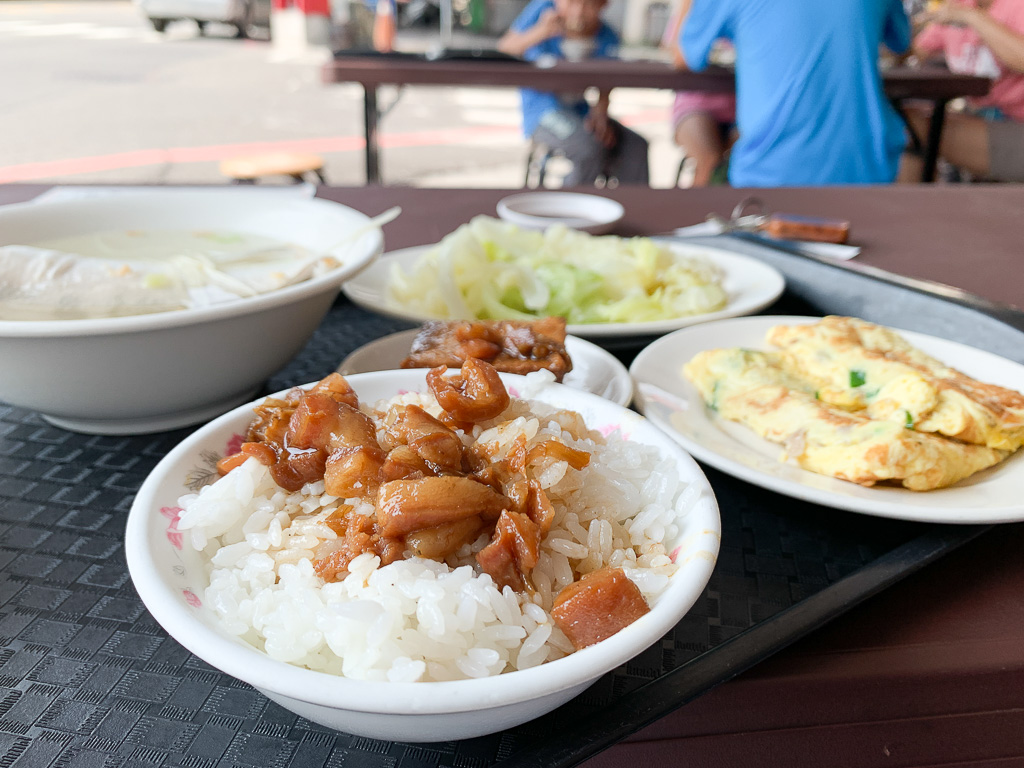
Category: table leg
[931,149]
[370,119]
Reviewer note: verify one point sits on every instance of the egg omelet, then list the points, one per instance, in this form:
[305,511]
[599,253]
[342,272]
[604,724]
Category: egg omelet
[861,366]
[755,389]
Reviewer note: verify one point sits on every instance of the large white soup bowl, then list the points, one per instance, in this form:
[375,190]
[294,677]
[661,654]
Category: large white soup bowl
[145,373]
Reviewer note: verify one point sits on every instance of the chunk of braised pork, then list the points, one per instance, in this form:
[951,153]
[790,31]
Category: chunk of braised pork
[436,444]
[539,508]
[328,438]
[472,339]
[403,463]
[502,478]
[476,394]
[337,386]
[357,535]
[323,422]
[557,451]
[513,551]
[511,478]
[404,506]
[519,457]
[296,468]
[524,495]
[597,606]
[263,453]
[353,471]
[266,432]
[443,540]
[293,435]
[512,346]
[272,417]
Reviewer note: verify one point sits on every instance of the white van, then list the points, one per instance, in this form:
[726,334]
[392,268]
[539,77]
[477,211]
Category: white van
[242,14]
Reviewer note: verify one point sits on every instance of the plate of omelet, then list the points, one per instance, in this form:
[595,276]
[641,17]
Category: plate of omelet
[845,413]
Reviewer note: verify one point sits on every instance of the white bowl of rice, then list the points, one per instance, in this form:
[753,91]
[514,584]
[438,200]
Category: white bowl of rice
[419,650]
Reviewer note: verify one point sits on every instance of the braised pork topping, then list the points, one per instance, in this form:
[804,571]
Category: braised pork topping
[511,346]
[476,394]
[432,489]
[597,606]
[430,493]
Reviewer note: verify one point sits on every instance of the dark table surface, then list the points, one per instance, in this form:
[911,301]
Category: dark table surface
[900,82]
[967,236]
[929,673]
[936,84]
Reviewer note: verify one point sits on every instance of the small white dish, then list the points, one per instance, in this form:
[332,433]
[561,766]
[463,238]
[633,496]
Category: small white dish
[170,578]
[593,369]
[578,48]
[593,214]
[667,398]
[750,284]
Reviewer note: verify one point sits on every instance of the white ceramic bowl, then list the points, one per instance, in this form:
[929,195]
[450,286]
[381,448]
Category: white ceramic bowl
[539,210]
[170,579]
[578,48]
[146,373]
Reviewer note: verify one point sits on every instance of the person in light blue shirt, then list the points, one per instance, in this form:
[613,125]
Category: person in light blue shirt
[585,134]
[810,105]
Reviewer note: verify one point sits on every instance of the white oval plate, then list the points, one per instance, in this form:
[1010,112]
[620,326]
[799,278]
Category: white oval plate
[593,369]
[750,284]
[667,398]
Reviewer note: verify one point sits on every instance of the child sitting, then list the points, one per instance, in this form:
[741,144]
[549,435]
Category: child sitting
[594,143]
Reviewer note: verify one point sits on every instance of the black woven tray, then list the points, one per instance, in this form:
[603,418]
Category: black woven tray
[87,677]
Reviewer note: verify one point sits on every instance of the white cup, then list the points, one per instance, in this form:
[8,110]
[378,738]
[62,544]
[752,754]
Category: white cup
[578,48]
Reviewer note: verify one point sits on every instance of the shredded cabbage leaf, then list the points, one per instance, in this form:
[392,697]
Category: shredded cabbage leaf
[490,269]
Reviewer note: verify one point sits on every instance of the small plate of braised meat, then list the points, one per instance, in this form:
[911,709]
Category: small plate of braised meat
[511,346]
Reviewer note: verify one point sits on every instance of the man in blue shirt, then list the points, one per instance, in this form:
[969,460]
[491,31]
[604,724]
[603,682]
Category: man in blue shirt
[810,106]
[585,134]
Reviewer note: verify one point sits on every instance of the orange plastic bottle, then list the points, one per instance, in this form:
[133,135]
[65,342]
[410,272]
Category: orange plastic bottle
[384,27]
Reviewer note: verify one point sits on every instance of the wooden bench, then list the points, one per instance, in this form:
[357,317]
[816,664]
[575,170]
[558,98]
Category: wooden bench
[247,169]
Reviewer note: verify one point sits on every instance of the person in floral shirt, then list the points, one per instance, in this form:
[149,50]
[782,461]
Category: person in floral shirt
[984,38]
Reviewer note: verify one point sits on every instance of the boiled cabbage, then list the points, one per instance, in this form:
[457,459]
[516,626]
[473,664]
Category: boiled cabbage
[489,269]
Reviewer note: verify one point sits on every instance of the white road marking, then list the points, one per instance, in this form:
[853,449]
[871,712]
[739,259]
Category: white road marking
[507,98]
[83,30]
[118,33]
[507,117]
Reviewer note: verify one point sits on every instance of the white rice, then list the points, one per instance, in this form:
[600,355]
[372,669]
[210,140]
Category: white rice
[417,619]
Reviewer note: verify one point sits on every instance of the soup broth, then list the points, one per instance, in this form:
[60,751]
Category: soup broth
[130,272]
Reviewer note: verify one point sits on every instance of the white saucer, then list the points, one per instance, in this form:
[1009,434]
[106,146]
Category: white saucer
[593,214]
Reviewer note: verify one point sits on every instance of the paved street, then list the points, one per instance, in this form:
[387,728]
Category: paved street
[90,94]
